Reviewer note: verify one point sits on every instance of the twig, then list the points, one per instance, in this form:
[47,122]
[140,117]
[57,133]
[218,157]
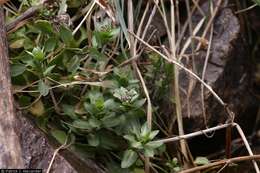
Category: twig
[182,67]
[210,22]
[198,133]
[133,54]
[30,105]
[20,20]
[204,73]
[246,9]
[149,20]
[23,17]
[85,17]
[192,83]
[183,30]
[56,105]
[241,133]
[192,135]
[63,146]
[223,167]
[142,21]
[196,4]
[105,84]
[172,41]
[164,16]
[222,162]
[149,104]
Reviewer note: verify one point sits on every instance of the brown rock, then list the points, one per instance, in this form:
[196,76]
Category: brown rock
[226,73]
[37,152]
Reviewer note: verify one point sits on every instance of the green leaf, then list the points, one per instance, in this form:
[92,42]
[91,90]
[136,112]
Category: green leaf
[38,66]
[37,109]
[111,121]
[134,127]
[94,96]
[90,108]
[59,135]
[99,104]
[73,64]
[153,134]
[44,26]
[48,70]
[108,141]
[43,88]
[69,110]
[257,2]
[110,104]
[27,59]
[83,36]
[114,32]
[94,123]
[139,103]
[121,19]
[38,53]
[66,36]
[82,124]
[129,158]
[145,130]
[74,3]
[175,161]
[24,100]
[130,138]
[94,41]
[102,37]
[137,145]
[17,69]
[153,144]
[93,140]
[138,170]
[201,161]
[17,44]
[50,44]
[148,152]
[97,55]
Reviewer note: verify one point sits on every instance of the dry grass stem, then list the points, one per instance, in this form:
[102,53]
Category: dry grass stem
[85,17]
[222,162]
[204,72]
[242,135]
[192,135]
[182,67]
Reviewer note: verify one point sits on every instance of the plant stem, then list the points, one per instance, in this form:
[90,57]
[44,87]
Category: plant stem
[194,134]
[134,64]
[222,162]
[176,87]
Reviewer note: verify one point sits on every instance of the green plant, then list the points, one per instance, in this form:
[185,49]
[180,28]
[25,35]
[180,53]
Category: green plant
[51,77]
[257,2]
[140,141]
[173,165]
[80,71]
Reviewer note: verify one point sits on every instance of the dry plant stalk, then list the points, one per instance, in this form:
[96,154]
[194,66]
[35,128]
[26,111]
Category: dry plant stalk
[63,146]
[172,59]
[221,163]
[135,66]
[203,132]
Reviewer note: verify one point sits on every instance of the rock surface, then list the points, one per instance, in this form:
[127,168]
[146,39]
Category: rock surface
[226,73]
[37,152]
[10,151]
